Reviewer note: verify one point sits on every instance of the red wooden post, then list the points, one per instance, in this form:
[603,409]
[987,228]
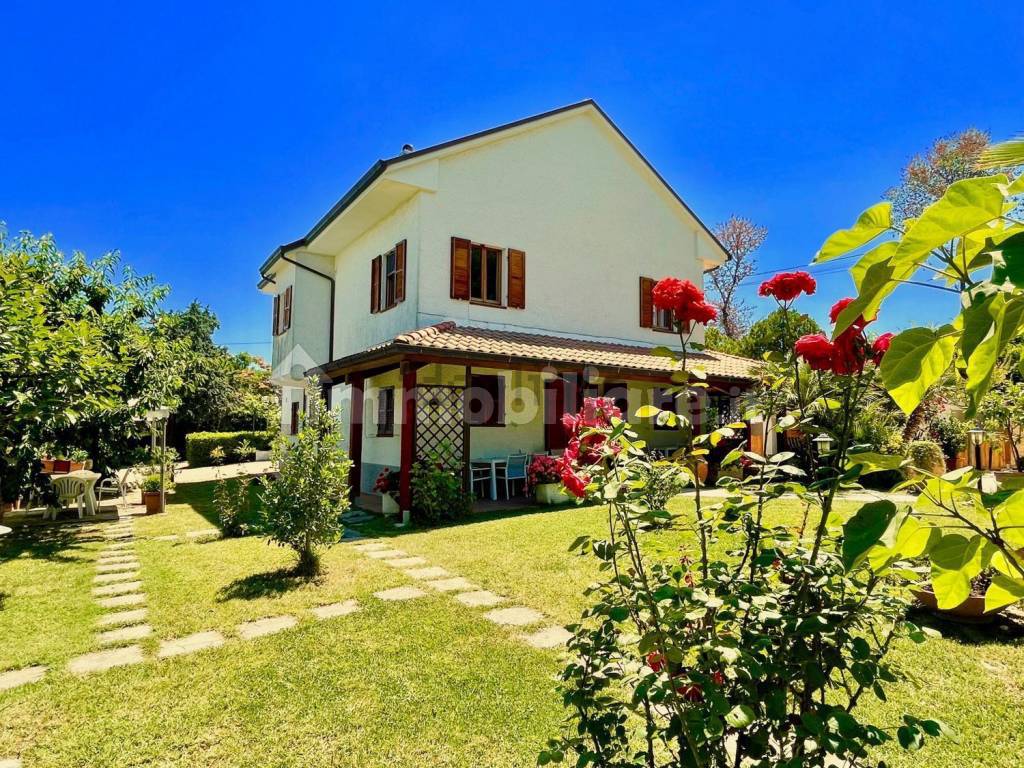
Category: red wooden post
[355,436]
[408,439]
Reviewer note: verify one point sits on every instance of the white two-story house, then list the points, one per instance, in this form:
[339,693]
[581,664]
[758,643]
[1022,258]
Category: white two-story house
[459,299]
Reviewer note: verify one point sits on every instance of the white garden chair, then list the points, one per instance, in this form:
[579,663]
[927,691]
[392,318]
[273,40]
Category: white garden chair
[115,486]
[69,490]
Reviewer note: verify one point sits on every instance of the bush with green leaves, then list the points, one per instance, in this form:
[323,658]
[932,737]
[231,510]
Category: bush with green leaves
[303,501]
[927,454]
[950,433]
[232,500]
[198,445]
[437,492]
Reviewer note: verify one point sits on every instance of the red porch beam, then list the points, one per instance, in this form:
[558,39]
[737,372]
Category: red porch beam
[355,435]
[408,437]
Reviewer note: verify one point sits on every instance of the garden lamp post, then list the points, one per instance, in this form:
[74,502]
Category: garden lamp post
[157,419]
[977,437]
[823,443]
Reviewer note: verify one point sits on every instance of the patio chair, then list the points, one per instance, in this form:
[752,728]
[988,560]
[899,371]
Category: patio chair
[69,489]
[115,486]
[480,473]
[514,469]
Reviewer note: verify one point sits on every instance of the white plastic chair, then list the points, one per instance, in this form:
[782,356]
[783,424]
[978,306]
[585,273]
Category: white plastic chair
[480,473]
[69,489]
[513,469]
[115,486]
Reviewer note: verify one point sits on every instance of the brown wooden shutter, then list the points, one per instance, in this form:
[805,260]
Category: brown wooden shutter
[375,285]
[400,272]
[516,279]
[277,313]
[460,268]
[646,303]
[287,307]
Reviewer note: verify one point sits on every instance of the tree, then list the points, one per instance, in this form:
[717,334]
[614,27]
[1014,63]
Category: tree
[741,238]
[302,507]
[775,333]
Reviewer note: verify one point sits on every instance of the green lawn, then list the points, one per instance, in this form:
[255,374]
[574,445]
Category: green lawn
[423,682]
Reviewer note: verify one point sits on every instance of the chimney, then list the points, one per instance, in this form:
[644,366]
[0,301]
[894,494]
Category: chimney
[406,149]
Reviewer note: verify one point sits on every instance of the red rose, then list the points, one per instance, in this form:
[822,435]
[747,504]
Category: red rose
[684,300]
[575,483]
[880,347]
[838,308]
[599,411]
[689,691]
[717,678]
[698,312]
[816,350]
[655,661]
[786,286]
[851,351]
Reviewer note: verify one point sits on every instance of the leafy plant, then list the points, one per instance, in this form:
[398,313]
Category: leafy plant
[302,505]
[387,482]
[231,496]
[437,492]
[151,483]
[542,470]
[951,435]
[927,454]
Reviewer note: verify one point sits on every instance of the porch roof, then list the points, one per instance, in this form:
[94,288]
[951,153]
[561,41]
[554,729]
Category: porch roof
[448,342]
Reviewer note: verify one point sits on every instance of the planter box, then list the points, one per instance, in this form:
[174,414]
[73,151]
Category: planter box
[970,611]
[388,505]
[550,493]
[152,501]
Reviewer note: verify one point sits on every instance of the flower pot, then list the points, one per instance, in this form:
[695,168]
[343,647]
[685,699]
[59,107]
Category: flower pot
[550,493]
[388,505]
[970,611]
[47,465]
[152,501]
[77,466]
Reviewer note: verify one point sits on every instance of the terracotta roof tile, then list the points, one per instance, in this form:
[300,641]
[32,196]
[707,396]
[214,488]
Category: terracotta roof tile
[449,337]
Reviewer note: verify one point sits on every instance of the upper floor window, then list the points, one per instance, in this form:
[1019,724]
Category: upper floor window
[650,316]
[477,274]
[387,279]
[283,311]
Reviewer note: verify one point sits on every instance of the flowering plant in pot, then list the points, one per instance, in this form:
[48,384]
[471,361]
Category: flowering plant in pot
[755,645]
[543,479]
[151,495]
[386,485]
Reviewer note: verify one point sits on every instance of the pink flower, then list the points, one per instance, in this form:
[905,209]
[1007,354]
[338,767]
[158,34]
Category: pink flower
[598,412]
[786,286]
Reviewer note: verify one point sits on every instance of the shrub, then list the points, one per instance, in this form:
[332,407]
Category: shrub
[302,506]
[926,455]
[951,435]
[151,483]
[231,496]
[437,493]
[199,445]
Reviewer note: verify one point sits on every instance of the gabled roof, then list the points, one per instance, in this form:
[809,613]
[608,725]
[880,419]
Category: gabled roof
[379,167]
[450,340]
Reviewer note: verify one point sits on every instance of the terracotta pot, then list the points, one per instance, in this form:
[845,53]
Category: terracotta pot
[152,501]
[78,466]
[550,493]
[47,465]
[970,611]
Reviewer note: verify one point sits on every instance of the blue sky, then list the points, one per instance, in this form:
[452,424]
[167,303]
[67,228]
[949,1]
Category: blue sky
[195,137]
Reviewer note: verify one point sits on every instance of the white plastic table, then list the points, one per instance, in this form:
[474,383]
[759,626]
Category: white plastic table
[493,463]
[90,479]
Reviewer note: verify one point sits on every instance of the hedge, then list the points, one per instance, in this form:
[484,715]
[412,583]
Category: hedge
[199,444]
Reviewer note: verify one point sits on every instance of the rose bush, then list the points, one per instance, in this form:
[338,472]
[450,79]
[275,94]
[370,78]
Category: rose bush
[756,653]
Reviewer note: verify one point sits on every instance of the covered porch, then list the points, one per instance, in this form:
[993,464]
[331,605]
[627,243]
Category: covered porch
[472,397]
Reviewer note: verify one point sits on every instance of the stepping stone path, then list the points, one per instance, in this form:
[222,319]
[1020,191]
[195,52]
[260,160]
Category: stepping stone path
[200,641]
[11,763]
[117,589]
[101,661]
[125,634]
[120,545]
[122,617]
[336,609]
[261,627]
[129,565]
[18,677]
[110,578]
[122,601]
[467,593]
[168,537]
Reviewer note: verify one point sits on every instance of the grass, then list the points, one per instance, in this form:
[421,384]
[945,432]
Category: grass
[424,682]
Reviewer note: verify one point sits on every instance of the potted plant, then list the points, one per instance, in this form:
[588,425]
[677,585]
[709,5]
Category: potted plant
[79,459]
[386,485]
[151,496]
[543,477]
[970,611]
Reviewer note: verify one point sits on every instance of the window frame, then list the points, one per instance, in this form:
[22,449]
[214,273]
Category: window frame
[386,407]
[389,280]
[497,416]
[499,284]
[293,426]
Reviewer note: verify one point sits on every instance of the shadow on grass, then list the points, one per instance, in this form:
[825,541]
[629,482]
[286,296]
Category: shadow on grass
[264,585]
[1005,628]
[199,497]
[60,543]
[384,528]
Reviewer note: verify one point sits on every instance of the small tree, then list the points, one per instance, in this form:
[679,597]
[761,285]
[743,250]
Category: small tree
[302,507]
[741,237]
[1002,411]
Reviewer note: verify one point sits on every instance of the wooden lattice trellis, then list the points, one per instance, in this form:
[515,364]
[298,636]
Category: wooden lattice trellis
[440,423]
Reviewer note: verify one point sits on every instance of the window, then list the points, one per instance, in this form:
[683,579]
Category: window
[662,320]
[721,410]
[485,274]
[486,401]
[294,426]
[387,279]
[386,412]
[619,392]
[283,311]
[650,316]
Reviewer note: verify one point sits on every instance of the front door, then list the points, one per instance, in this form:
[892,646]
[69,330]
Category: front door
[555,397]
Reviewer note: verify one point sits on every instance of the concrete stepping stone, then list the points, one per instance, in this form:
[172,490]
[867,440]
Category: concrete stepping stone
[127,565]
[549,637]
[10,763]
[117,557]
[125,634]
[406,562]
[122,617]
[480,599]
[17,677]
[200,641]
[434,572]
[110,578]
[122,601]
[253,629]
[334,610]
[117,589]
[385,554]
[399,593]
[120,545]
[370,546]
[100,661]
[205,533]
[168,537]
[119,537]
[518,616]
[457,584]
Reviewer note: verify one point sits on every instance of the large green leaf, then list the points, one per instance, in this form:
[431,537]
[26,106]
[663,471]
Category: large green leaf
[869,461]
[1003,591]
[956,560]
[1008,315]
[916,359]
[905,538]
[876,255]
[1008,261]
[869,225]
[1009,517]
[865,529]
[966,205]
